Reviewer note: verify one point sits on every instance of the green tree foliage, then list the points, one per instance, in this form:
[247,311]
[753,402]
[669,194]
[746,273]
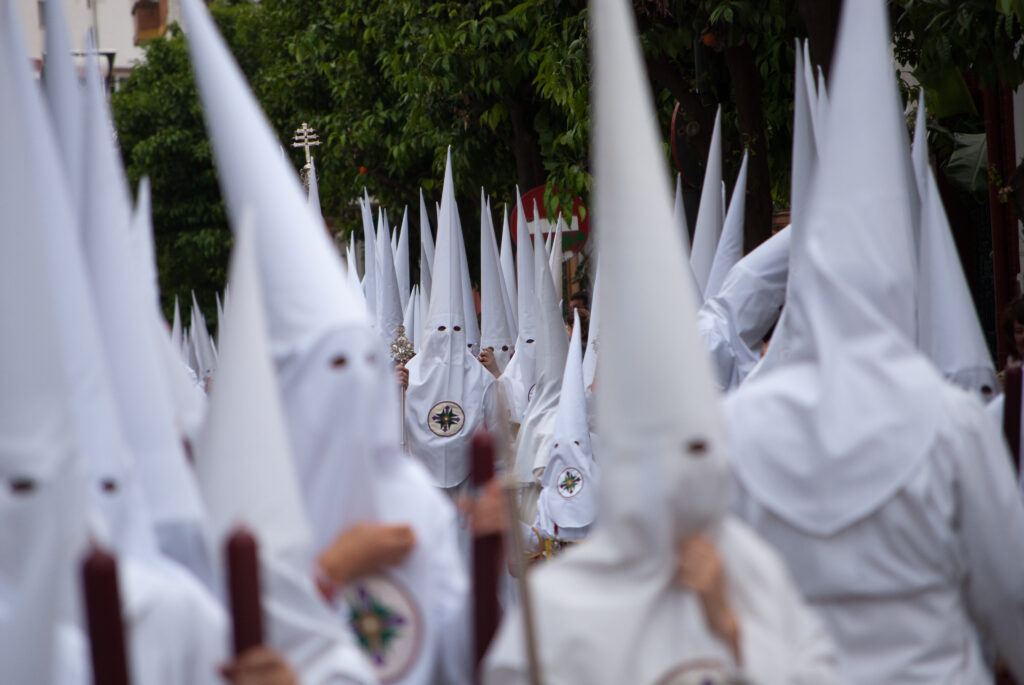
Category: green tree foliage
[389,84]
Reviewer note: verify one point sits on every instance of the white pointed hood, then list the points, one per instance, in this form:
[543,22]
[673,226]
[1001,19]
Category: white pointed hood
[448,388]
[709,215]
[520,374]
[411,317]
[247,478]
[555,261]
[187,399]
[389,302]
[243,458]
[730,245]
[844,346]
[949,332]
[665,474]
[64,96]
[533,443]
[41,499]
[495,331]
[679,212]
[508,272]
[568,501]
[402,261]
[468,301]
[593,335]
[125,314]
[369,254]
[426,251]
[202,342]
[253,174]
[176,332]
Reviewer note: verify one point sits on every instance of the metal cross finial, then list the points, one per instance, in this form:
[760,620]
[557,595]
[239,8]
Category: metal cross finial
[402,348]
[305,137]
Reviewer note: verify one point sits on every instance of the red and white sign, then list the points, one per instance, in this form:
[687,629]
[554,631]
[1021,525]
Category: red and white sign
[575,231]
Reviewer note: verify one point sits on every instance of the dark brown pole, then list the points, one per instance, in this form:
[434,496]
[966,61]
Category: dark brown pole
[1005,259]
[1011,414]
[486,554]
[103,618]
[244,590]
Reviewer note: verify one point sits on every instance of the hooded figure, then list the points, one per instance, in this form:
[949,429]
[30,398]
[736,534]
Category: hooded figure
[389,300]
[730,245]
[402,263]
[369,253]
[472,326]
[679,212]
[709,214]
[124,311]
[533,443]
[882,484]
[202,344]
[734,322]
[568,500]
[610,610]
[426,251]
[508,271]
[496,329]
[948,331]
[555,260]
[591,354]
[450,393]
[339,397]
[520,374]
[188,400]
[42,497]
[247,478]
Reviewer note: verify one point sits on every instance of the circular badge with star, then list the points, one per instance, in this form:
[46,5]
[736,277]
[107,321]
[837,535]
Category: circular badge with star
[698,673]
[446,419]
[570,483]
[387,624]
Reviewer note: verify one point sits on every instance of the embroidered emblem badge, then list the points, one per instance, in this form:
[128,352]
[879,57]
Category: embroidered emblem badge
[387,625]
[446,419]
[570,483]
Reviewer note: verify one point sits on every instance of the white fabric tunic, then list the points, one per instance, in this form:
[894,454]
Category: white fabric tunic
[782,642]
[902,590]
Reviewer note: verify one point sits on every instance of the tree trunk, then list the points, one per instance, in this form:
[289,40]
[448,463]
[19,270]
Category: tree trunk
[821,17]
[529,169]
[746,86]
[1005,250]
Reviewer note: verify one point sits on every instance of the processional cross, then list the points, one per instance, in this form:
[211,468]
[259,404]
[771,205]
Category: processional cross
[305,137]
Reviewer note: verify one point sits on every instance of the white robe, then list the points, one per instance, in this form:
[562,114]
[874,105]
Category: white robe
[177,634]
[904,590]
[782,642]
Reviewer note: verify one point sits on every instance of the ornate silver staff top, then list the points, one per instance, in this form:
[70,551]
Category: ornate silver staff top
[402,349]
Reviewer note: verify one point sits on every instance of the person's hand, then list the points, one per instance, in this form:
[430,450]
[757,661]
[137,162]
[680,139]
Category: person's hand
[700,569]
[259,666]
[487,359]
[366,548]
[486,512]
[402,377]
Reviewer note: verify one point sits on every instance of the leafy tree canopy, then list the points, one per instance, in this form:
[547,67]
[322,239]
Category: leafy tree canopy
[389,84]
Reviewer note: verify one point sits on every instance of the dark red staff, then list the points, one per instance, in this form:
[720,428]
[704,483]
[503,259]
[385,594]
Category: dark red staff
[1011,414]
[103,617]
[244,590]
[486,552]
